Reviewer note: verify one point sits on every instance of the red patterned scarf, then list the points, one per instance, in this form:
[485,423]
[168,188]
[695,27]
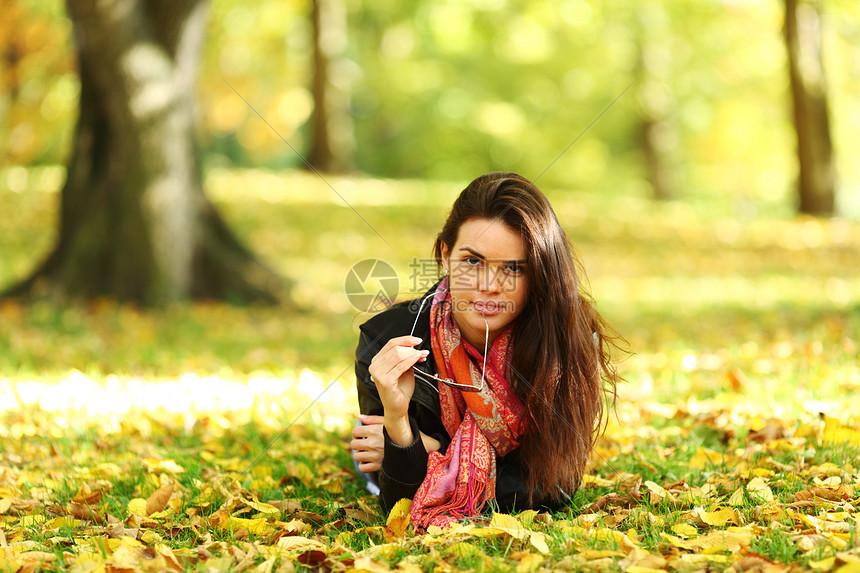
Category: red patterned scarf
[482,425]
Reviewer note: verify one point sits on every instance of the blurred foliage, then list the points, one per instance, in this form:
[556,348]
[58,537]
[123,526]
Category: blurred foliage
[449,89]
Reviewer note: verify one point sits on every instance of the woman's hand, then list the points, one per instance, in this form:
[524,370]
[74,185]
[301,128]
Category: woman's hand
[391,371]
[368,444]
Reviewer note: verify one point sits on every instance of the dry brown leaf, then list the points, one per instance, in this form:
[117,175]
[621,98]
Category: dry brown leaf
[295,527]
[309,516]
[82,511]
[158,500]
[640,557]
[841,493]
[87,496]
[759,563]
[773,430]
[609,500]
[286,506]
[311,558]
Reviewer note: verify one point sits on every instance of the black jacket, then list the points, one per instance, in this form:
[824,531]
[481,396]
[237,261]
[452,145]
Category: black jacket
[403,469]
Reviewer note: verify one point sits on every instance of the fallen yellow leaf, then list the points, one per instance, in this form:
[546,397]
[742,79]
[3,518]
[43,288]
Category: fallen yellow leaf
[30,520]
[759,490]
[156,465]
[823,565]
[59,522]
[718,518]
[835,431]
[685,530]
[399,518]
[294,543]
[598,481]
[137,506]
[538,541]
[505,521]
[658,493]
[640,569]
[852,567]
[737,498]
[730,539]
[365,564]
[591,554]
[264,508]
[462,549]
[704,458]
[255,526]
[701,560]
[529,563]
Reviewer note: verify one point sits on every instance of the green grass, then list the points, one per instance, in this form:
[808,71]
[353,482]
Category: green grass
[730,322]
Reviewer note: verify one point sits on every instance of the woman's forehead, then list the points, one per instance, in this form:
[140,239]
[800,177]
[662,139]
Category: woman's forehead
[492,238]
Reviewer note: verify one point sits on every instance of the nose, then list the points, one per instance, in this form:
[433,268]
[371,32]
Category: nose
[493,280]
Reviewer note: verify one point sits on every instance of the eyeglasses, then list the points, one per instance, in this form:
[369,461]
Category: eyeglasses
[426,376]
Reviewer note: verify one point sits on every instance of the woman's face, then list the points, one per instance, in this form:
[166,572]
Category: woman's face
[487,277]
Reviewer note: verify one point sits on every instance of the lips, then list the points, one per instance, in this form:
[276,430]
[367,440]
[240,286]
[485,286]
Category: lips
[488,308]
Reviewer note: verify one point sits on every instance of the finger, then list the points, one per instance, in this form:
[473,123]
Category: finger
[402,341]
[367,457]
[406,362]
[369,420]
[389,353]
[359,432]
[369,467]
[386,362]
[370,437]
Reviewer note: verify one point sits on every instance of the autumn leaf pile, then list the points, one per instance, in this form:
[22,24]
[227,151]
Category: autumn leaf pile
[229,493]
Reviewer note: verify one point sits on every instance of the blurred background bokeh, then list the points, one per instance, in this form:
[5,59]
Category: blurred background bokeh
[663,133]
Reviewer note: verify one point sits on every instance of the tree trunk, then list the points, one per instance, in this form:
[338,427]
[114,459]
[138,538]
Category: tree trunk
[817,178]
[656,134]
[331,126]
[134,222]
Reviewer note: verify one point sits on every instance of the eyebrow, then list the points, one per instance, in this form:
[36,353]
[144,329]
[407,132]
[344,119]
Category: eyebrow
[480,256]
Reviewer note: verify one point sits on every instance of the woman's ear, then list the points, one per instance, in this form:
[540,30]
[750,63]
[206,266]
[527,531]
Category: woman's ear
[444,251]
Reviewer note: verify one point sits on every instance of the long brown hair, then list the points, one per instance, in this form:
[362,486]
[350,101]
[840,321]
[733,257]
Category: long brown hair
[561,365]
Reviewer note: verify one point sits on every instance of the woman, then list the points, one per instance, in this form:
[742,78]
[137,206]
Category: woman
[489,388]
